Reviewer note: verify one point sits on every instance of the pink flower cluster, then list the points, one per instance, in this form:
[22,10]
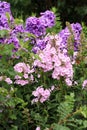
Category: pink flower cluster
[41,94]
[26,72]
[55,60]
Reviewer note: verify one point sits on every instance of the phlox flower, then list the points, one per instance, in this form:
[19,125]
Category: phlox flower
[54,60]
[84,84]
[20,67]
[25,76]
[8,80]
[47,18]
[38,128]
[65,33]
[41,94]
[21,82]
[68,82]
[17,77]
[26,72]
[34,26]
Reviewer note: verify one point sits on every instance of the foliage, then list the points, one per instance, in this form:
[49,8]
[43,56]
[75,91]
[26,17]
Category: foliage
[84,29]
[44,89]
[72,11]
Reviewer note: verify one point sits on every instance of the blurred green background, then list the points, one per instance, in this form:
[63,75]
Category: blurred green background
[69,10]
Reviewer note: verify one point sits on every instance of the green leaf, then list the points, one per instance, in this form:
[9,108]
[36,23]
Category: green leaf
[36,56]
[3,33]
[6,49]
[66,107]
[60,127]
[30,35]
[18,21]
[85,124]
[8,16]
[14,127]
[83,111]
[13,116]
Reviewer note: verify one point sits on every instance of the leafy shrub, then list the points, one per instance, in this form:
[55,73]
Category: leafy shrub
[43,77]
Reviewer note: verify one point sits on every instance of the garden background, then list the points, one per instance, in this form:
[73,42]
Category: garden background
[43,65]
[69,10]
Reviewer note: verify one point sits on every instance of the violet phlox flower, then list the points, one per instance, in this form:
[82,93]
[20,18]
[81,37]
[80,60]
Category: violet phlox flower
[77,28]
[14,36]
[3,21]
[41,94]
[48,18]
[13,40]
[37,26]
[5,8]
[35,49]
[18,29]
[34,26]
[65,33]
[39,44]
